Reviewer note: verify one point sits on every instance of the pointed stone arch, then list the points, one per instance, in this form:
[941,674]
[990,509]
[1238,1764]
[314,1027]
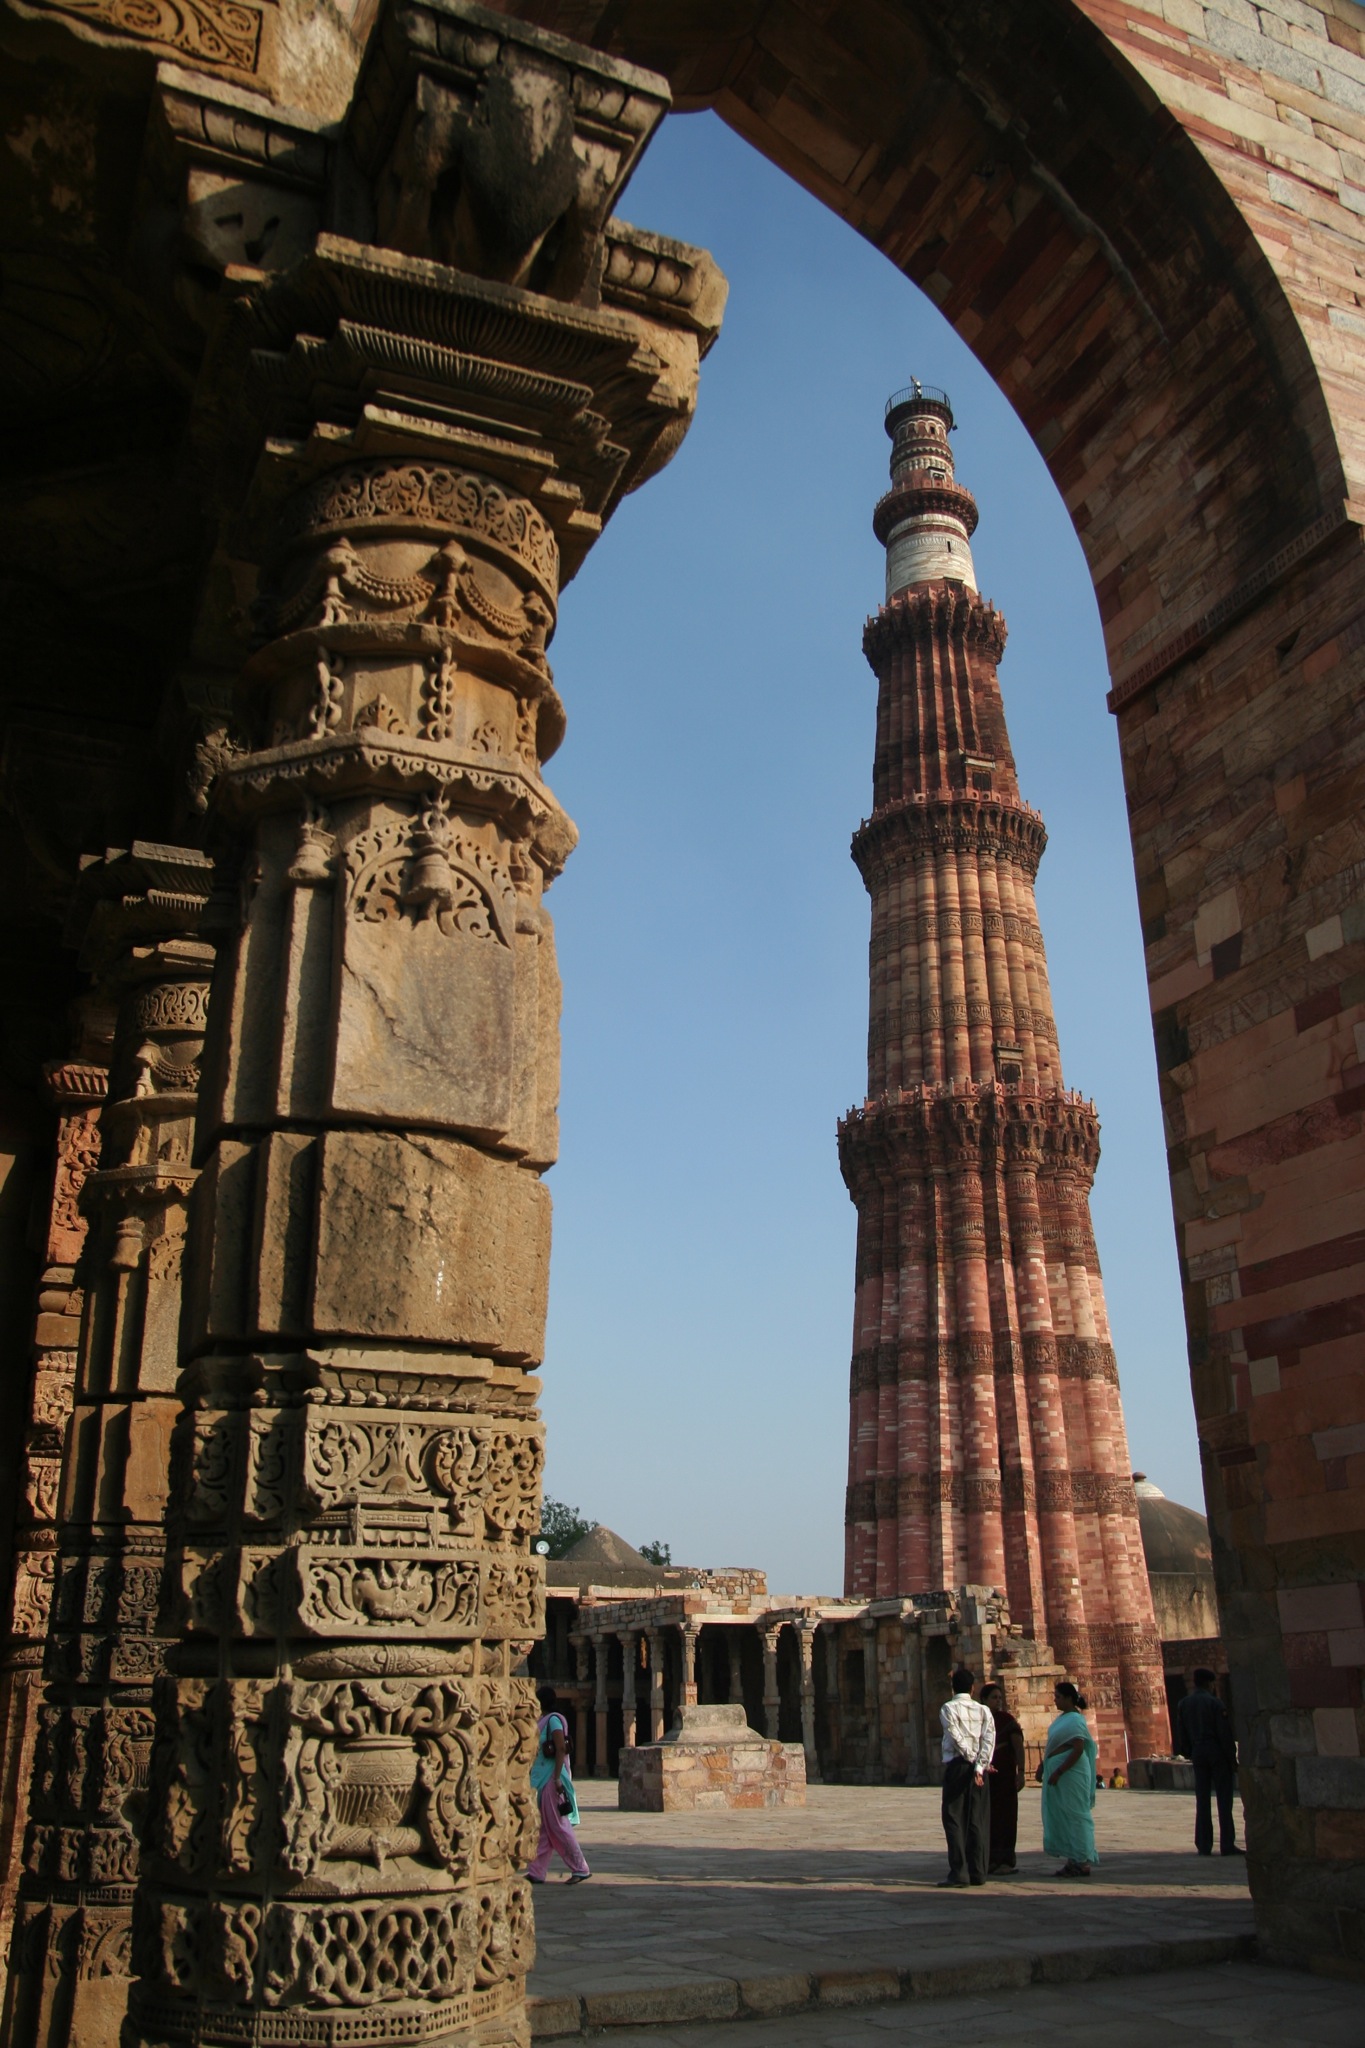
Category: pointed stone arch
[1146,222]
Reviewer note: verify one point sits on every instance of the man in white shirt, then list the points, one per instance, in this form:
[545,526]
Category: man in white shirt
[968,1746]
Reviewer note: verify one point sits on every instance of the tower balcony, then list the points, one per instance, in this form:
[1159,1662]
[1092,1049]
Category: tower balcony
[981,1124]
[921,614]
[919,492]
[967,821]
[917,397]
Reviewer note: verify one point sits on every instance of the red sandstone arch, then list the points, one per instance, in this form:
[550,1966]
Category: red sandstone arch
[1145,222]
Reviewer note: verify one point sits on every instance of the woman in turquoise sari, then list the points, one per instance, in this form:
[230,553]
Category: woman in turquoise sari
[1068,1775]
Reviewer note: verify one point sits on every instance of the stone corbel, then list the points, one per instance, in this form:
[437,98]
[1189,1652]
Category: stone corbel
[492,146]
[235,186]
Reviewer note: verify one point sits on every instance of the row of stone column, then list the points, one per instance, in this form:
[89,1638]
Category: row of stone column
[651,1666]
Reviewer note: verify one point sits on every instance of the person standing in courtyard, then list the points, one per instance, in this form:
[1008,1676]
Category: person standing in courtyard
[1068,1775]
[1006,1782]
[968,1745]
[552,1783]
[1203,1733]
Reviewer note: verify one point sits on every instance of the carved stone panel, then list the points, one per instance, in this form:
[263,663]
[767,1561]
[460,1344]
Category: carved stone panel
[462,1239]
[428,968]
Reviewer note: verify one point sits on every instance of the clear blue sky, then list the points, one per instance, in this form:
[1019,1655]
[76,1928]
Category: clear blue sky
[713,930]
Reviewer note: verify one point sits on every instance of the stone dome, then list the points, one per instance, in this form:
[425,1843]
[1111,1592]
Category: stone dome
[1174,1539]
[602,1558]
[603,1546]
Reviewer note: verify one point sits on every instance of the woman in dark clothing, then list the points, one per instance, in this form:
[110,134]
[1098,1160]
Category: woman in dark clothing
[1007,1781]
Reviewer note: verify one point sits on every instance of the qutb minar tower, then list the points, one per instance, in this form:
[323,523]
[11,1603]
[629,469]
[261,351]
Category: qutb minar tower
[987,1443]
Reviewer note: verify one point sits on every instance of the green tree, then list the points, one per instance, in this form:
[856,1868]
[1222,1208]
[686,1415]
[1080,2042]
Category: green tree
[657,1553]
[562,1526]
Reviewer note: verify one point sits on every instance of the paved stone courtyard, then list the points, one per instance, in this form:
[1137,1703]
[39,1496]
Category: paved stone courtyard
[707,1916]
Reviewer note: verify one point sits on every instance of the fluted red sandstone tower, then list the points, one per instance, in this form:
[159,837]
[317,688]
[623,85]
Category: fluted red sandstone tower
[987,1444]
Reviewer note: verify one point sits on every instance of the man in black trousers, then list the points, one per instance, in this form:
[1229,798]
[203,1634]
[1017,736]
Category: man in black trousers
[1203,1732]
[968,1746]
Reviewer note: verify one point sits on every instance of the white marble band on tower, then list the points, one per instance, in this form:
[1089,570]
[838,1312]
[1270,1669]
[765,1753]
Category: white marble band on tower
[928,548]
[926,519]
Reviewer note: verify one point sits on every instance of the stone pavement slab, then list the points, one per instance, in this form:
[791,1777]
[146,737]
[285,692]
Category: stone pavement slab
[714,1916]
[1245,2003]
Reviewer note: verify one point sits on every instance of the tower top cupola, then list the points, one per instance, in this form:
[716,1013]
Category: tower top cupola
[926,519]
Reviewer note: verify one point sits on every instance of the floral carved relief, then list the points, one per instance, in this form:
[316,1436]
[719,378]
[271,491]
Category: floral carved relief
[385,1595]
[411,494]
[221,32]
[78,1156]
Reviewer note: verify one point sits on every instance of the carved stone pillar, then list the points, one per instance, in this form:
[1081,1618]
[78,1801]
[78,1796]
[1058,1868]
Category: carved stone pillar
[580,1704]
[656,1684]
[71,1963]
[912,1654]
[689,1636]
[418,430]
[630,1657]
[872,1702]
[772,1695]
[601,1765]
[76,1088]
[735,1647]
[834,1698]
[805,1643]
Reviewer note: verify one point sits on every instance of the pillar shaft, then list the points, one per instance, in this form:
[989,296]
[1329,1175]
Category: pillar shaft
[689,1637]
[412,438]
[629,1642]
[108,1640]
[76,1089]
[601,1763]
[735,1650]
[805,1643]
[871,1704]
[772,1697]
[656,1684]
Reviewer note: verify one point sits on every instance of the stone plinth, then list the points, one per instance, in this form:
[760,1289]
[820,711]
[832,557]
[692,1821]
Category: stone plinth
[1160,1774]
[711,1757]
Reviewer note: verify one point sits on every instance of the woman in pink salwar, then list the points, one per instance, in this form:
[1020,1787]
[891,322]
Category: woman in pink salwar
[552,1783]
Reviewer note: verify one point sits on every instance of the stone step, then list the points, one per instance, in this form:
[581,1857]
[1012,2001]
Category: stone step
[768,1997]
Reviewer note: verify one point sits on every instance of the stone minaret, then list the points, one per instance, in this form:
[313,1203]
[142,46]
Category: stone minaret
[987,1443]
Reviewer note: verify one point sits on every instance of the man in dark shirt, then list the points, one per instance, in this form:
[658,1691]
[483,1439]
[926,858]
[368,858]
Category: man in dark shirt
[1204,1734]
